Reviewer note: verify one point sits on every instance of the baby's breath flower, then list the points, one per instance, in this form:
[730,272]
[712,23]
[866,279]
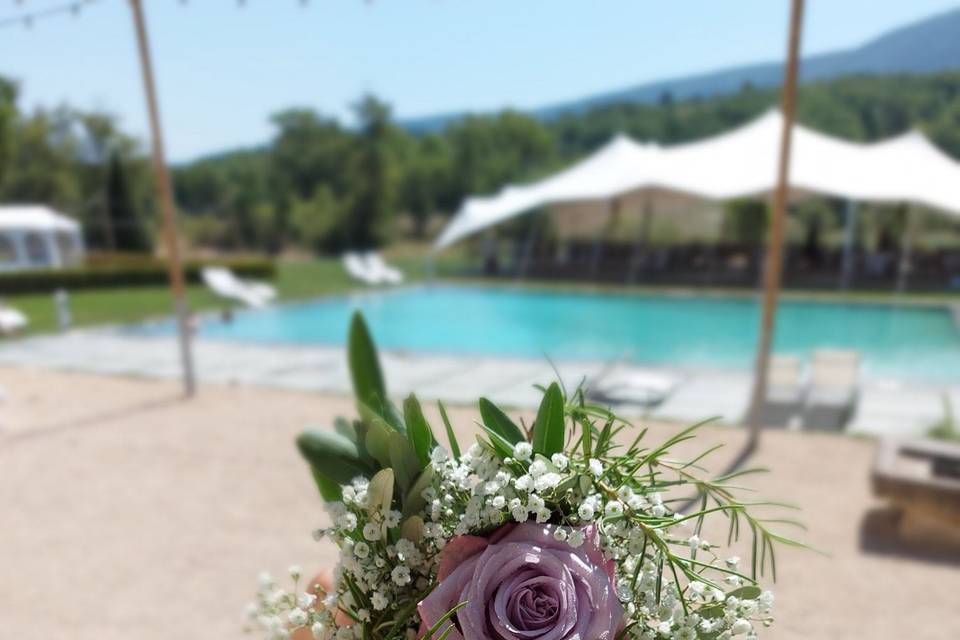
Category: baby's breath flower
[560,461]
[576,538]
[392,518]
[586,511]
[297,617]
[522,451]
[400,575]
[371,531]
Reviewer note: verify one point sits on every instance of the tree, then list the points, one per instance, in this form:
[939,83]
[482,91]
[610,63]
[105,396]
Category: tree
[374,174]
[128,230]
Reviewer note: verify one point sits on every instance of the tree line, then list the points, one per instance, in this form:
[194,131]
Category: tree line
[322,185]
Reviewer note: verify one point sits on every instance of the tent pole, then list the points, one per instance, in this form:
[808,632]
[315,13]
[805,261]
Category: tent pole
[168,214]
[849,239]
[774,259]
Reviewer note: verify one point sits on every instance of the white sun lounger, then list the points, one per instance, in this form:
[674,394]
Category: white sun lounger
[12,320]
[370,268]
[227,285]
[786,391]
[381,270]
[357,268]
[834,389]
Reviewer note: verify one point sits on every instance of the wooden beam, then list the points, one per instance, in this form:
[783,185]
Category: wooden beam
[168,213]
[773,269]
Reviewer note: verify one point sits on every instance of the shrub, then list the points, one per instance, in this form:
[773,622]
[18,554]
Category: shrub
[123,270]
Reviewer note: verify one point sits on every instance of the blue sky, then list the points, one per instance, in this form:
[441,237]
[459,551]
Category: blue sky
[223,69]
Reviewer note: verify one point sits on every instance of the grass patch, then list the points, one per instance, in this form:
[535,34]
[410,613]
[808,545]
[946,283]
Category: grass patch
[295,280]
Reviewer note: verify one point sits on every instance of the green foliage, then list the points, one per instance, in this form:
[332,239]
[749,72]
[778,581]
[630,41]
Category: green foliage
[418,430]
[323,186]
[495,420]
[550,428]
[125,272]
[125,221]
[368,385]
[391,450]
[332,455]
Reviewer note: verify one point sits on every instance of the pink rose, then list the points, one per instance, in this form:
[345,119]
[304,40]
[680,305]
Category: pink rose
[522,584]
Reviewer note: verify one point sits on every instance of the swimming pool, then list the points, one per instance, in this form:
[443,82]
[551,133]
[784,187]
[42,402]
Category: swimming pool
[906,343]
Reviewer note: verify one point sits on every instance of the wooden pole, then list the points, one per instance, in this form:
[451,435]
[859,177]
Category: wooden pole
[168,213]
[774,259]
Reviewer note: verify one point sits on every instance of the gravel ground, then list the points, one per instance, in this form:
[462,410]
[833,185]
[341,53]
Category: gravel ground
[130,513]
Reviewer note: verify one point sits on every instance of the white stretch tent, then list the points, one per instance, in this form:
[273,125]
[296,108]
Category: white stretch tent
[606,174]
[36,237]
[739,163]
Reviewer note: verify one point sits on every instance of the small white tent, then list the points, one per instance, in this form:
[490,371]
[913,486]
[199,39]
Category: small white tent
[739,163]
[35,237]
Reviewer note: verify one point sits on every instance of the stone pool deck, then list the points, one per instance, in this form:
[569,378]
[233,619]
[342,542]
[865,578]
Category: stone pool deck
[884,408]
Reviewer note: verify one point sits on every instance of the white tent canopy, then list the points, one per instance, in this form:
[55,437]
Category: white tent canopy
[35,236]
[739,163]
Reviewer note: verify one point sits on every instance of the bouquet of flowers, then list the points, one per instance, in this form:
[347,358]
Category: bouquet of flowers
[558,530]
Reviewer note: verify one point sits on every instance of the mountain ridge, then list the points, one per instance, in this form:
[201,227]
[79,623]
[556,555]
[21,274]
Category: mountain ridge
[927,46]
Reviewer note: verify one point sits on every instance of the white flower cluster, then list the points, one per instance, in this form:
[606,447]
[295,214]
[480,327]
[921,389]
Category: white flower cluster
[377,569]
[382,574]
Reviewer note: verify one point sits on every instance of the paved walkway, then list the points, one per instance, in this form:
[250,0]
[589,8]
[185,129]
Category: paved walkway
[883,409]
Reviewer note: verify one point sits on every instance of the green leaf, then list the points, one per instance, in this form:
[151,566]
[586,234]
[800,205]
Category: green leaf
[451,438]
[549,428]
[330,491]
[418,430]
[500,446]
[337,457]
[368,385]
[748,592]
[343,427]
[414,501]
[497,421]
[404,461]
[412,529]
[384,411]
[380,492]
[377,442]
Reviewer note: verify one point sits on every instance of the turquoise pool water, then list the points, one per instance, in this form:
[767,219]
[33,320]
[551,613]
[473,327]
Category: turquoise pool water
[913,343]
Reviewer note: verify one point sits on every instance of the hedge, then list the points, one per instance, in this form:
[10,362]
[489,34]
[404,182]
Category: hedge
[131,273]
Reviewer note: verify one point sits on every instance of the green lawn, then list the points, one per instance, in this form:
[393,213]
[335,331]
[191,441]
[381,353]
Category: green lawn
[296,279]
[300,279]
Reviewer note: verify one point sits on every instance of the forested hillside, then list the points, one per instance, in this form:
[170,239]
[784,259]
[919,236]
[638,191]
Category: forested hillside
[322,185]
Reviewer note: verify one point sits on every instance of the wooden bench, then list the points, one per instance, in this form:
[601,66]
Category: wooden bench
[922,479]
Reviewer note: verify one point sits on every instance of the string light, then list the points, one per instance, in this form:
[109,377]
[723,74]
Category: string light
[28,19]
[75,8]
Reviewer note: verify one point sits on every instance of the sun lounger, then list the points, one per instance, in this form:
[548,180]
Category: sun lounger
[357,268]
[834,389]
[12,320]
[783,404]
[621,386]
[381,270]
[227,285]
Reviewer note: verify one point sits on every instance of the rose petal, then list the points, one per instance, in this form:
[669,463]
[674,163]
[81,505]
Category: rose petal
[458,550]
